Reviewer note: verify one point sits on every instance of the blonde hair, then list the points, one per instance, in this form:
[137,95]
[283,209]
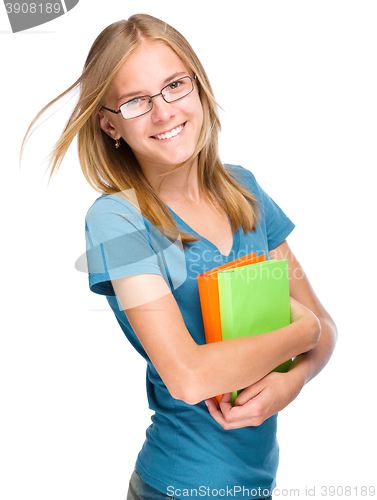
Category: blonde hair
[109,170]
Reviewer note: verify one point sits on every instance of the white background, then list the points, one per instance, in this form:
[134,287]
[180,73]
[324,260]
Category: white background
[297,81]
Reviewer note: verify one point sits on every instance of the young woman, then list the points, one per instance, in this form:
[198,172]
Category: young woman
[147,127]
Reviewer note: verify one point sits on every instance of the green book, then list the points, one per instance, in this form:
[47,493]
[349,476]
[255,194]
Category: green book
[254,299]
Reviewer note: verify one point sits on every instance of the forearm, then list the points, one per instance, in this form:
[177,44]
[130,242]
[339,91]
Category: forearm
[306,366]
[195,372]
[277,390]
[233,364]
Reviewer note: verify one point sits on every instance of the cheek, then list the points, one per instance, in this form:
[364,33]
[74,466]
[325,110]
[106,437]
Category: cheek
[130,134]
[199,112]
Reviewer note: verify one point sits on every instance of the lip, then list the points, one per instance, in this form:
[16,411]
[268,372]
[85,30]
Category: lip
[169,130]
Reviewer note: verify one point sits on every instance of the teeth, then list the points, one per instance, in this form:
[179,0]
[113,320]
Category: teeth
[170,134]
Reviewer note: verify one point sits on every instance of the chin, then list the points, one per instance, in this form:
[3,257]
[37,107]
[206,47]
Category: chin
[179,158]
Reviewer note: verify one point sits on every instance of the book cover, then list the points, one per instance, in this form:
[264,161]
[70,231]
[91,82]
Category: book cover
[209,296]
[254,299]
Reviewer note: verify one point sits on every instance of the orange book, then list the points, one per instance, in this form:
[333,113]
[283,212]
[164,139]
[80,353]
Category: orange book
[209,296]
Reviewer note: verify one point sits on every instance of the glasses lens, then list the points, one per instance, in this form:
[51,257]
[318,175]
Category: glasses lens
[136,107]
[178,89]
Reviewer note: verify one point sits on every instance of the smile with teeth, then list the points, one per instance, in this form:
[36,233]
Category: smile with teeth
[171,133]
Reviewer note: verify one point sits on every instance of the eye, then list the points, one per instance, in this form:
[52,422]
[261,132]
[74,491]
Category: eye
[138,101]
[134,101]
[174,85]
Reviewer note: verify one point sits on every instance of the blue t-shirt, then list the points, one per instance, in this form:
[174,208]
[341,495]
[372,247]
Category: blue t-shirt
[185,450]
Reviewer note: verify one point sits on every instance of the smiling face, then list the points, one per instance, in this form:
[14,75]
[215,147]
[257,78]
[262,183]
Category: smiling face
[168,134]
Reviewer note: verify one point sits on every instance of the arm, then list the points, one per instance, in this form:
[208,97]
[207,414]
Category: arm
[308,365]
[194,372]
[275,391]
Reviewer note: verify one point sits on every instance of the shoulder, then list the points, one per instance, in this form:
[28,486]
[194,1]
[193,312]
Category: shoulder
[108,203]
[237,170]
[113,206]
[244,177]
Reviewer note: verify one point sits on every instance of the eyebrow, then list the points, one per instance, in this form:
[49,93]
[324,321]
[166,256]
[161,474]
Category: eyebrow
[165,82]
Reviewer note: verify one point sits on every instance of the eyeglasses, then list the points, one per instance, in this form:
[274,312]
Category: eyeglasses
[141,105]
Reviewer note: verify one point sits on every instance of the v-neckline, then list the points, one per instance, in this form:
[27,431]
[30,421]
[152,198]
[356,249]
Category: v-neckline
[208,242]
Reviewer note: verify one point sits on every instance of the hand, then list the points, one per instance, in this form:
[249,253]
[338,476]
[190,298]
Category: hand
[257,402]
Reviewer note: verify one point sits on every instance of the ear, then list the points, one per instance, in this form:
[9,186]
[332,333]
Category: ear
[107,126]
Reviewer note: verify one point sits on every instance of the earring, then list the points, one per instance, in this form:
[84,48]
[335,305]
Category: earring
[117,143]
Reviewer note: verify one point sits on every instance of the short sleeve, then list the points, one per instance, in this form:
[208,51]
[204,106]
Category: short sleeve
[277,224]
[119,244]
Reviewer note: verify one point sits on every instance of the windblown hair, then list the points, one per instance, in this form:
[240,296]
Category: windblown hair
[109,170]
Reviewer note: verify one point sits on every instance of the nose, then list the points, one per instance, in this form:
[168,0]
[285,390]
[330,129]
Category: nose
[161,110]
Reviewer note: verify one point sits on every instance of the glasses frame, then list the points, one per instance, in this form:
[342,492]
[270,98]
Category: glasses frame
[151,97]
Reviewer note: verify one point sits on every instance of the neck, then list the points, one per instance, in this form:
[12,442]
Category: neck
[181,185]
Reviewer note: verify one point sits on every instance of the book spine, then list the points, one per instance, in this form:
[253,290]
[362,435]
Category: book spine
[203,296]
[226,313]
[225,298]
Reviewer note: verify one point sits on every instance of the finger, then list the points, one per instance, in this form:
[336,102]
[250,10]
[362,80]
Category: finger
[212,403]
[221,420]
[224,404]
[234,414]
[250,414]
[225,399]
[223,413]
[238,417]
[224,407]
[249,393]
